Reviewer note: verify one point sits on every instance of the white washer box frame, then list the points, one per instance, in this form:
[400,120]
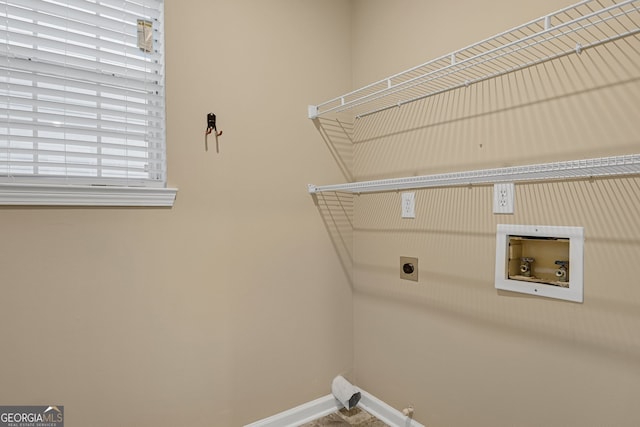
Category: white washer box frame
[575,291]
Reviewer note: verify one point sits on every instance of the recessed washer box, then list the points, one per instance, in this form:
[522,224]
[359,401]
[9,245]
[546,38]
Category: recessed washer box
[544,260]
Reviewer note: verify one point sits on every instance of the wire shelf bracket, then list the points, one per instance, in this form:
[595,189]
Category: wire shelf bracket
[567,31]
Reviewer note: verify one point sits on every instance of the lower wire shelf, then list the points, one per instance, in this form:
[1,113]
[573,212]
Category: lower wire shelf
[567,170]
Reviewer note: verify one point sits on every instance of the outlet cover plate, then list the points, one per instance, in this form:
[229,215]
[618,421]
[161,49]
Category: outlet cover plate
[503,195]
[409,268]
[409,205]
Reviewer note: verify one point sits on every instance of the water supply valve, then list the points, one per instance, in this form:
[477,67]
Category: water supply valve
[525,266]
[562,273]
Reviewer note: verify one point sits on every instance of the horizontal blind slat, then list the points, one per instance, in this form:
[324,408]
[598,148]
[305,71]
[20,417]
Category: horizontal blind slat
[100,29]
[17,144]
[105,181]
[67,109]
[120,32]
[101,52]
[87,11]
[23,82]
[34,60]
[74,162]
[83,76]
[78,131]
[68,121]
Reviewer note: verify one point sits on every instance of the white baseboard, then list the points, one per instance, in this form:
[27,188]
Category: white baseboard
[301,414]
[384,412]
[329,404]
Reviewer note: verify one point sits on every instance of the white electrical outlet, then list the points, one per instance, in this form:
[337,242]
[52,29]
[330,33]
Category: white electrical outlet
[408,205]
[503,195]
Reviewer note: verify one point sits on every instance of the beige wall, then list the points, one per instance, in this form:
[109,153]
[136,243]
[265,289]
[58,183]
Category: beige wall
[246,298]
[232,305]
[461,352]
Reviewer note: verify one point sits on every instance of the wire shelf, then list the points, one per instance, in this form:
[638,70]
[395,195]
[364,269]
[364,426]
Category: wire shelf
[573,169]
[567,31]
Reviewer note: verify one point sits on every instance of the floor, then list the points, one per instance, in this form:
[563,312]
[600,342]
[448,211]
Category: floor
[347,417]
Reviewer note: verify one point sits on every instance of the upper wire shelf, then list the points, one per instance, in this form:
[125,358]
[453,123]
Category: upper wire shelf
[570,30]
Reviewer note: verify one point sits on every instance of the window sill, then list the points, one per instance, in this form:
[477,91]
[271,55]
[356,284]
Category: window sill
[75,195]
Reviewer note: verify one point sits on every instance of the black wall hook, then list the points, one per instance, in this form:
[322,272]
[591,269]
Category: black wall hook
[211,124]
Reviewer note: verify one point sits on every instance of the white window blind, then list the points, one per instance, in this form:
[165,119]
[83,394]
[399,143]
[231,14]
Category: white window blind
[81,98]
